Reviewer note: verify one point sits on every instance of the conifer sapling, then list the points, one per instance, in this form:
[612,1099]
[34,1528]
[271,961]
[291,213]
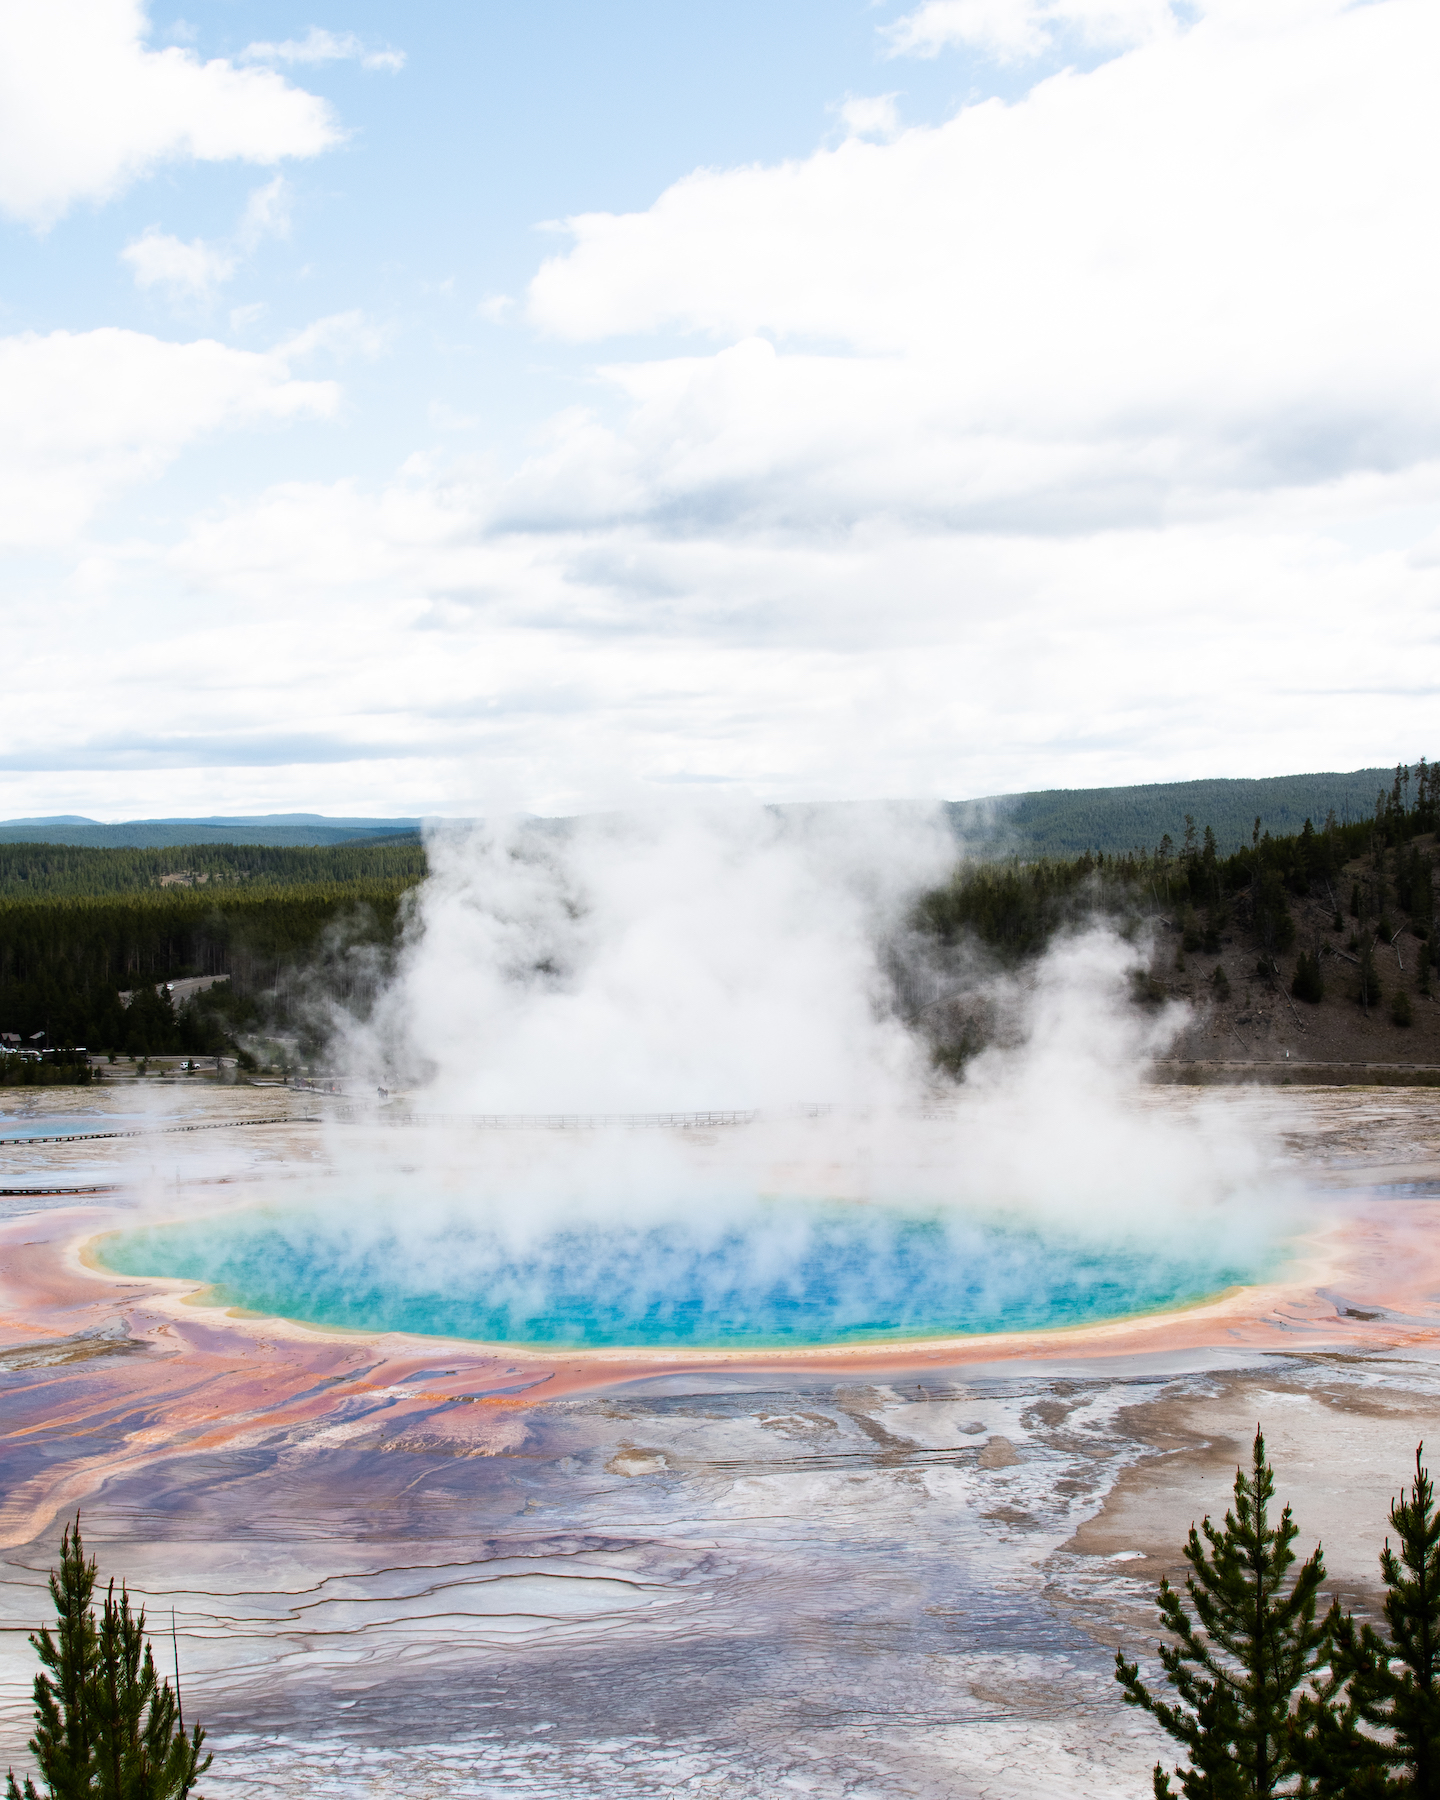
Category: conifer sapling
[1237,1664]
[106,1726]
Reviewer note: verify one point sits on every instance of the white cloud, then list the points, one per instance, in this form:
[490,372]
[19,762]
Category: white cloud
[86,108]
[85,414]
[1014,30]
[319,46]
[870,115]
[192,270]
[338,334]
[1095,304]
[430,637]
[267,213]
[195,270]
[1086,439]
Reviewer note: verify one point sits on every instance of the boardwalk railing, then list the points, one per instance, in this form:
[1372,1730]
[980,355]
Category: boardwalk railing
[677,1121]
[660,1121]
[90,1137]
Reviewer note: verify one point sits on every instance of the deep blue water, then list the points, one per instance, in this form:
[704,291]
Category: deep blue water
[787,1273]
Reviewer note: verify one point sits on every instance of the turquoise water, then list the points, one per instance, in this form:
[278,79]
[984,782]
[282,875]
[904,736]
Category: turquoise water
[74,1124]
[789,1273]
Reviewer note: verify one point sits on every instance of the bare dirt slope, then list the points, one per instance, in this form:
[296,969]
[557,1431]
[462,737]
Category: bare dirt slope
[1260,1021]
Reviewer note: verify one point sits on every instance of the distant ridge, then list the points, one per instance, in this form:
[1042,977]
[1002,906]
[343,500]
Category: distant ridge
[1068,821]
[281,830]
[1042,822]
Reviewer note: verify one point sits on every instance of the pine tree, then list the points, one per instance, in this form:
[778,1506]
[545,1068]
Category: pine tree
[62,1742]
[1309,984]
[1367,980]
[142,1753]
[106,1726]
[1237,1665]
[1387,1688]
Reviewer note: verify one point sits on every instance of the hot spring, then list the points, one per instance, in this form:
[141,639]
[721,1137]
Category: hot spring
[591,1247]
[745,960]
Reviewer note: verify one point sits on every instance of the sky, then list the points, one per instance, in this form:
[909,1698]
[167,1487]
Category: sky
[459,408]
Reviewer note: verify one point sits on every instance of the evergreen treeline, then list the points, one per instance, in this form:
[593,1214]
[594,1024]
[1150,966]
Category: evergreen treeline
[67,1068]
[1268,1699]
[1016,906]
[65,962]
[34,871]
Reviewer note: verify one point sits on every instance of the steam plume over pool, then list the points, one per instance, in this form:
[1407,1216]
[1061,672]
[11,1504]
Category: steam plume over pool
[743,964]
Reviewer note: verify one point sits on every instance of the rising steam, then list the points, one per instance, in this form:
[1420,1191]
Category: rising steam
[738,961]
[732,959]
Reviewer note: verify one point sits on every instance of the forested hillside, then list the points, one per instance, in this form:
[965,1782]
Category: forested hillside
[1319,943]
[1056,822]
[79,927]
[1328,903]
[1066,822]
[35,871]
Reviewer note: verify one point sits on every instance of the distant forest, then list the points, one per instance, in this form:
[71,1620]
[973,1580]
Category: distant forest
[1051,822]
[36,871]
[80,926]
[1015,905]
[276,832]
[1066,822]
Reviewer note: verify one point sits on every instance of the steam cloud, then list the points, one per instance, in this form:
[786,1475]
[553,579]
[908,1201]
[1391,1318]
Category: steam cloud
[729,959]
[738,960]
